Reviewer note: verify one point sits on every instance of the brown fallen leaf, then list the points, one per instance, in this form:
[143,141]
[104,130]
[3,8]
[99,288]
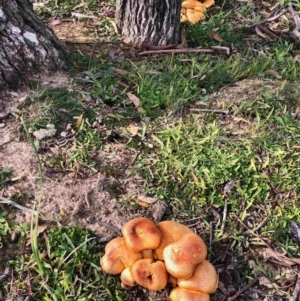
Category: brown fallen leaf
[156,139]
[215,36]
[257,30]
[112,116]
[146,199]
[79,120]
[135,100]
[120,71]
[132,129]
[196,181]
[142,204]
[274,73]
[278,258]
[40,229]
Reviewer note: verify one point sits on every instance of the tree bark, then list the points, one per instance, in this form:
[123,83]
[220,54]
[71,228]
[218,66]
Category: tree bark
[27,46]
[152,22]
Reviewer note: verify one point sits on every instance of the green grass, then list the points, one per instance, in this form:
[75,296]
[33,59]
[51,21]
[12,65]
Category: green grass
[5,175]
[57,106]
[196,156]
[101,27]
[4,227]
[174,81]
[70,268]
[61,8]
[69,114]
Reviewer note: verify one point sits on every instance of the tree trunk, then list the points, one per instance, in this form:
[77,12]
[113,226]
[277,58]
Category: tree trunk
[27,46]
[152,22]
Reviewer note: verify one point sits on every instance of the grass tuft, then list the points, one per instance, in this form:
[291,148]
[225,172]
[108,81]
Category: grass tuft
[70,268]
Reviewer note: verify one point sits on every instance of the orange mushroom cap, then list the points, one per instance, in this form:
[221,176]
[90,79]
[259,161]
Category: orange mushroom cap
[208,3]
[193,11]
[141,234]
[194,16]
[149,274]
[194,4]
[117,257]
[204,279]
[170,232]
[182,294]
[182,256]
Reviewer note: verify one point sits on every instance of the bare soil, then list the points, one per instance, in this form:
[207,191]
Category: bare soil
[92,202]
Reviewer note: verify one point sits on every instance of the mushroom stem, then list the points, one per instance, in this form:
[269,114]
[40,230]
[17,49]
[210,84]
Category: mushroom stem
[127,280]
[148,254]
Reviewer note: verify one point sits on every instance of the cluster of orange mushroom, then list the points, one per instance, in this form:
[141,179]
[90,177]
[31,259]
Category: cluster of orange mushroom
[153,255]
[193,11]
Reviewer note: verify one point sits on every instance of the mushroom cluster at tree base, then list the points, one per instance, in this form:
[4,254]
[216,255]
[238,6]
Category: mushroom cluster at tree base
[153,255]
[193,11]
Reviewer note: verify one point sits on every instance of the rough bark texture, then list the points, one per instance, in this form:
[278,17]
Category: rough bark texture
[27,46]
[154,22]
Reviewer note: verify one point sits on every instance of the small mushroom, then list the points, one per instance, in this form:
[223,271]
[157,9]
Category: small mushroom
[204,279]
[127,280]
[149,274]
[182,256]
[192,11]
[141,235]
[182,294]
[117,257]
[170,232]
[208,3]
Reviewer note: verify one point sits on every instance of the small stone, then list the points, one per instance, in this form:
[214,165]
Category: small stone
[116,205]
[45,133]
[23,98]
[264,281]
[99,119]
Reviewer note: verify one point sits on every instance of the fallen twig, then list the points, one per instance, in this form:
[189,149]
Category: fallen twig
[294,297]
[210,238]
[225,112]
[265,32]
[10,202]
[244,288]
[265,220]
[273,18]
[188,50]
[296,31]
[275,15]
[87,200]
[279,258]
[224,215]
[6,274]
[87,240]
[6,142]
